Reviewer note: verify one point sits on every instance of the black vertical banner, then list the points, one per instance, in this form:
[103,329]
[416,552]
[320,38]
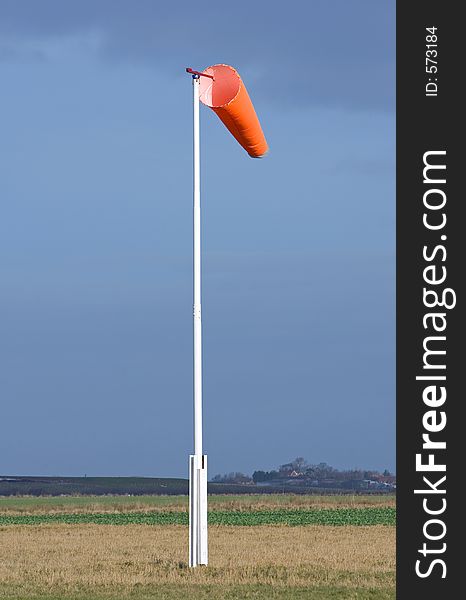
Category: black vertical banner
[431,241]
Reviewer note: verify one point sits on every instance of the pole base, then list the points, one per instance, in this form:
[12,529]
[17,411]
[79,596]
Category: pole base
[197,510]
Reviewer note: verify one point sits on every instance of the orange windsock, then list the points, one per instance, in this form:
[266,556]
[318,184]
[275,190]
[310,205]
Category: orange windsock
[224,92]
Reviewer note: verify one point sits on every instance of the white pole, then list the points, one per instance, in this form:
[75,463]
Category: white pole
[198,461]
[197,326]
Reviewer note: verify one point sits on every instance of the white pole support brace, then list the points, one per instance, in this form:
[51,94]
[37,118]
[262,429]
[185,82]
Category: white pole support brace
[198,554]
[197,461]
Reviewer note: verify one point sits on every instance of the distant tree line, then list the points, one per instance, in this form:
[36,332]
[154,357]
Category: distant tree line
[233,477]
[300,469]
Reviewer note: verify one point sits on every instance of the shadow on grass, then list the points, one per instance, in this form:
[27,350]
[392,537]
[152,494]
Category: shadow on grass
[205,592]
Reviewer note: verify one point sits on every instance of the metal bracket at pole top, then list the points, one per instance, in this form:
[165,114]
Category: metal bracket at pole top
[197,74]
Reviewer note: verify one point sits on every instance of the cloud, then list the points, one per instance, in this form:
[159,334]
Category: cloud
[324,52]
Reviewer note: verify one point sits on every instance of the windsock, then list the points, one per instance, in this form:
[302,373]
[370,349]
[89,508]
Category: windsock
[222,90]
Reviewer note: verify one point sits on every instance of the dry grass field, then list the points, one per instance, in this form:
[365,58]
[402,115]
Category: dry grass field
[138,562]
[89,504]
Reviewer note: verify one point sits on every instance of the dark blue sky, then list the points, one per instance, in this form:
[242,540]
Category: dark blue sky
[95,237]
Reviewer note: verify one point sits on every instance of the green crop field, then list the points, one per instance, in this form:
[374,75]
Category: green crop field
[295,517]
[261,547]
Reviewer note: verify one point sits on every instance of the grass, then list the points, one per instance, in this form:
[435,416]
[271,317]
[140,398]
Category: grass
[211,592]
[135,548]
[135,562]
[99,504]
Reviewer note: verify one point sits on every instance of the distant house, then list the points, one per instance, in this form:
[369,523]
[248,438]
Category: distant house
[390,479]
